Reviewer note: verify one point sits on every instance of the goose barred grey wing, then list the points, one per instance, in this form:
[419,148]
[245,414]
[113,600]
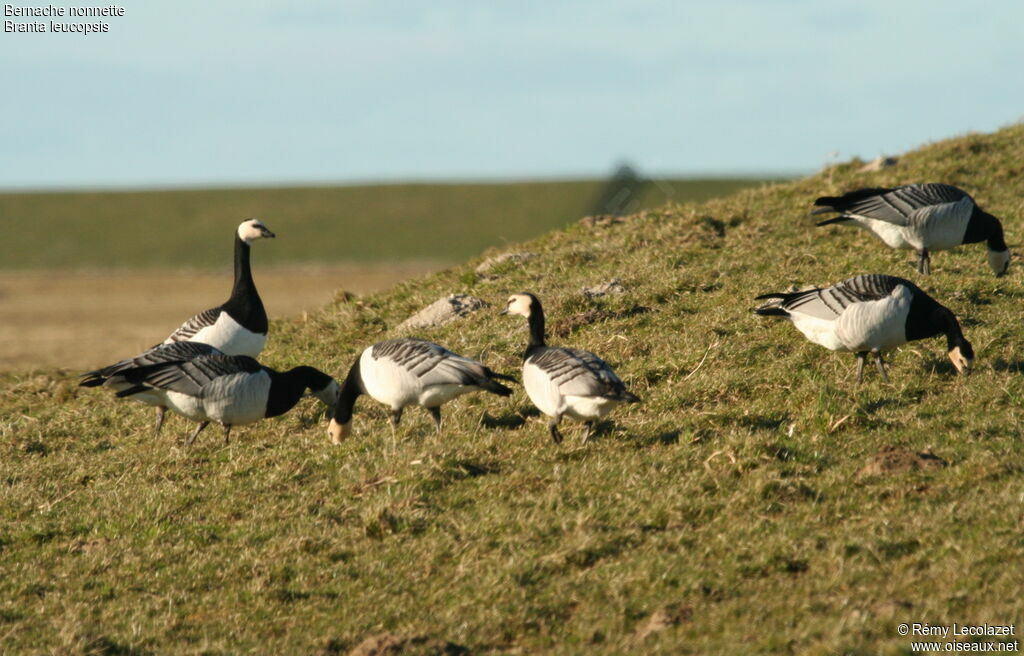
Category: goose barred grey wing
[431,363]
[897,206]
[162,353]
[187,330]
[578,373]
[830,302]
[191,376]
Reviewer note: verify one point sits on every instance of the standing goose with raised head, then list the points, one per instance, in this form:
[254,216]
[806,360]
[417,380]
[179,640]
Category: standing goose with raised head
[565,381]
[870,314]
[239,325]
[406,371]
[924,217]
[228,389]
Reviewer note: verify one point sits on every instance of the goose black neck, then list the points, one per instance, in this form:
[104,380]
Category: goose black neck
[286,388]
[927,319]
[245,305]
[982,226]
[951,327]
[350,391]
[536,321]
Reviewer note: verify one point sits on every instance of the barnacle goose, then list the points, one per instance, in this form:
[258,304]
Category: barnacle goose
[565,381]
[210,386]
[924,217]
[239,325]
[406,371]
[871,313]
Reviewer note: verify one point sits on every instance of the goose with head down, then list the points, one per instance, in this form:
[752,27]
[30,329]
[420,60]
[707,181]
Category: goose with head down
[924,217]
[228,389]
[403,372]
[870,314]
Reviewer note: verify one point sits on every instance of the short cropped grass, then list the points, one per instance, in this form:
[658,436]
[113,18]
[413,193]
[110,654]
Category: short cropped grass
[741,508]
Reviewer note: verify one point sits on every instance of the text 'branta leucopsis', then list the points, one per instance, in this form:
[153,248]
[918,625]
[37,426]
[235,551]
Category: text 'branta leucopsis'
[228,389]
[406,371]
[871,313]
[924,217]
[565,381]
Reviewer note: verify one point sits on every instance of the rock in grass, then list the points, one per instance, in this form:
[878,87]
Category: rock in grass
[443,311]
[492,262]
[613,286]
[879,163]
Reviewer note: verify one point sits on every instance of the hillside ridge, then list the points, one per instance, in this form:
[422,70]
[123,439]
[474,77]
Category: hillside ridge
[755,500]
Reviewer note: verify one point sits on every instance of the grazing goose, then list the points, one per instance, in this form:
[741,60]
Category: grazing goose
[406,371]
[228,389]
[925,217]
[565,381]
[871,313]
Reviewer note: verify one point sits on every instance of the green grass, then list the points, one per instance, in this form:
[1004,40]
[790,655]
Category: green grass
[731,504]
[316,225]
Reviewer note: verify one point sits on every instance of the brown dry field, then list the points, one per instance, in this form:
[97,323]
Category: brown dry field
[78,320]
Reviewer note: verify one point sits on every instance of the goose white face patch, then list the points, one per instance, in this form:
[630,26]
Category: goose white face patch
[253,229]
[999,261]
[338,431]
[520,304]
[963,364]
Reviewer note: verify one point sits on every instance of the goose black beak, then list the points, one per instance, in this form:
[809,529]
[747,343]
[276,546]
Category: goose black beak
[266,234]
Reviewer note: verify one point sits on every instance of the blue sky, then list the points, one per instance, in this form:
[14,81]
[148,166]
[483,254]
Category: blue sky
[265,91]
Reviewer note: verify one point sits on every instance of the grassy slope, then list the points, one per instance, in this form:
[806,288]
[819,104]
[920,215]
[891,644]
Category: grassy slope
[731,501]
[185,228]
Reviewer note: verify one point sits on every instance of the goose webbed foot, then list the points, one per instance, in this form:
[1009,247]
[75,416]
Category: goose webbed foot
[861,357]
[591,425]
[160,412]
[227,433]
[556,436]
[196,432]
[436,414]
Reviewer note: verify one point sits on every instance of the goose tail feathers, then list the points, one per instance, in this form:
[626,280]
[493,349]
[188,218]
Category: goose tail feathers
[629,397]
[838,219]
[496,375]
[495,387]
[771,311]
[92,379]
